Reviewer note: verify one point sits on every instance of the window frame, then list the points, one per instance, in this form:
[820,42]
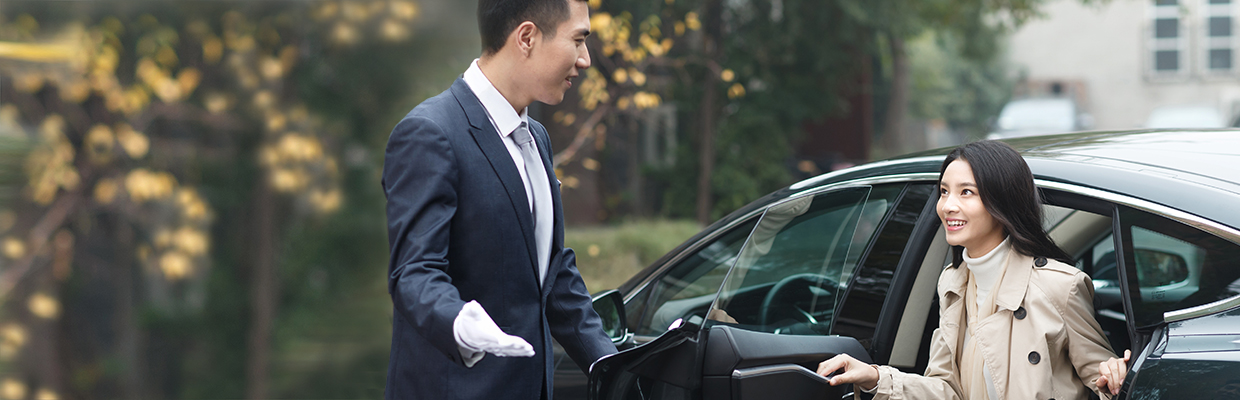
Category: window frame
[1180,43]
[1209,43]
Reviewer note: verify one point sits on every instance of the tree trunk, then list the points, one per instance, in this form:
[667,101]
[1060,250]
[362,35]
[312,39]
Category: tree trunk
[263,293]
[707,112]
[129,342]
[897,103]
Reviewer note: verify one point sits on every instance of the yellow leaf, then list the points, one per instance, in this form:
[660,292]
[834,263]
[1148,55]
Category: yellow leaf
[620,76]
[166,57]
[595,4]
[600,22]
[168,90]
[105,190]
[344,33]
[287,180]
[354,11]
[639,78]
[737,90]
[43,306]
[12,389]
[212,50]
[216,103]
[13,334]
[679,27]
[99,142]
[188,80]
[328,9]
[590,164]
[593,250]
[406,10]
[271,68]
[276,121]
[393,30]
[571,182]
[264,99]
[727,75]
[692,22]
[175,265]
[46,394]
[135,143]
[569,119]
[14,248]
[190,241]
[326,201]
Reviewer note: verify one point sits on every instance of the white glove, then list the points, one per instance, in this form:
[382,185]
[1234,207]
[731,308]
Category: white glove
[475,330]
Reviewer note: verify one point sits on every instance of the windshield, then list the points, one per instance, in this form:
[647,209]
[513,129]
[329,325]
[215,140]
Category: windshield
[792,270]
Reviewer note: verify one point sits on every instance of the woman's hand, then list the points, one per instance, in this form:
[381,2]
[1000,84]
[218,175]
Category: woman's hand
[1113,372]
[862,374]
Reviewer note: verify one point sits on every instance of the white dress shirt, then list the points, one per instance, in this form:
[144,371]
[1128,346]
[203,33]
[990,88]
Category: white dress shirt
[505,119]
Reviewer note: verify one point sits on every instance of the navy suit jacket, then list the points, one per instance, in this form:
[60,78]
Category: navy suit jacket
[460,229]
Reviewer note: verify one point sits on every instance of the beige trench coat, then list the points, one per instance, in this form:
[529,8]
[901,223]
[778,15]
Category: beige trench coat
[1042,342]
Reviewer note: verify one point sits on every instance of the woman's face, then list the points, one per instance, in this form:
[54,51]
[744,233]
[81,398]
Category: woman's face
[962,213]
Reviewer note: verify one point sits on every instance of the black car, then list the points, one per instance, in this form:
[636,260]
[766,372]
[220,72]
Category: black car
[847,262]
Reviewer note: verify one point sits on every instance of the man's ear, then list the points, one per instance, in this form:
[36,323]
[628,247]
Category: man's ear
[526,35]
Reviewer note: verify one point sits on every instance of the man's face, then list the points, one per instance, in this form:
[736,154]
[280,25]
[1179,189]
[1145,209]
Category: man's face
[556,62]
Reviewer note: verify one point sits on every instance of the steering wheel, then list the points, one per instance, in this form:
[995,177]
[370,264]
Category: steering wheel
[785,288]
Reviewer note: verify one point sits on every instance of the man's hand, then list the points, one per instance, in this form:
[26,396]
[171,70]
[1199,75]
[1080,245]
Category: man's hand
[857,372]
[477,330]
[1113,372]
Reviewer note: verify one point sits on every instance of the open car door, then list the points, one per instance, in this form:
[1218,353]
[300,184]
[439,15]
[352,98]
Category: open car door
[769,325]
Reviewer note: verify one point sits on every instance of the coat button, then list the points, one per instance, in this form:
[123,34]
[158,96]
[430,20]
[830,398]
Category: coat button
[1020,313]
[1040,261]
[1034,358]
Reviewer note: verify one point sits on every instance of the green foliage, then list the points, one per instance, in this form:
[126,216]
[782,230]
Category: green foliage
[624,248]
[963,91]
[12,151]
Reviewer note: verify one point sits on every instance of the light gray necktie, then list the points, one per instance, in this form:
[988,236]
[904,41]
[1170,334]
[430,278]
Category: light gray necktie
[537,175]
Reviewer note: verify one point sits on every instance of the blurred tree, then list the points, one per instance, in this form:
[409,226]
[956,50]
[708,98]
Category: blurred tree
[181,154]
[745,78]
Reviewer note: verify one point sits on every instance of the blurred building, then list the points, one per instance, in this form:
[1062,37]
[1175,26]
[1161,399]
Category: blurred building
[1136,63]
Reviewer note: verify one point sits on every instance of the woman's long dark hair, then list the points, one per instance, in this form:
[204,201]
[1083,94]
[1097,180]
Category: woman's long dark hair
[1009,195]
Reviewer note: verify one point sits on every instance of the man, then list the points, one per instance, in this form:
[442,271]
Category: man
[479,276]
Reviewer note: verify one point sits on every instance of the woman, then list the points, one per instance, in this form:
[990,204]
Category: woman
[1016,321]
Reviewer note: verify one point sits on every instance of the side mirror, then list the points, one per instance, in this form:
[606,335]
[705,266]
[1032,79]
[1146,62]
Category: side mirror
[1160,268]
[610,307]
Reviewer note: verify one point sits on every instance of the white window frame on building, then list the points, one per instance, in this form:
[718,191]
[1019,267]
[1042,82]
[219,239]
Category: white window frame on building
[1218,44]
[1166,16]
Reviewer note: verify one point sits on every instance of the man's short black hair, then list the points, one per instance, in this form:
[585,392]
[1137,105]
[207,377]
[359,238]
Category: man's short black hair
[498,18]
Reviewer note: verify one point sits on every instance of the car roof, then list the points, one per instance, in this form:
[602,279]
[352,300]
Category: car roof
[1195,171]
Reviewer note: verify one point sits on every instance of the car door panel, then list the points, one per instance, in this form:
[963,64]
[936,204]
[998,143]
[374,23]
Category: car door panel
[742,364]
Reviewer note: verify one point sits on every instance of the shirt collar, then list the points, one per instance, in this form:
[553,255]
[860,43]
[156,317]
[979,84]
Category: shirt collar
[498,108]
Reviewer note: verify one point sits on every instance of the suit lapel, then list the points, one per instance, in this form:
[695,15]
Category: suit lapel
[487,138]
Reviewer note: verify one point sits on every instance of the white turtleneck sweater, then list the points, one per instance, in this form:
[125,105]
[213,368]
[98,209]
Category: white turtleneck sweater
[986,272]
[988,268]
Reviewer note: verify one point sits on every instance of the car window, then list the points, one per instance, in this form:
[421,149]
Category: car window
[787,277]
[688,287]
[858,315]
[1176,266]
